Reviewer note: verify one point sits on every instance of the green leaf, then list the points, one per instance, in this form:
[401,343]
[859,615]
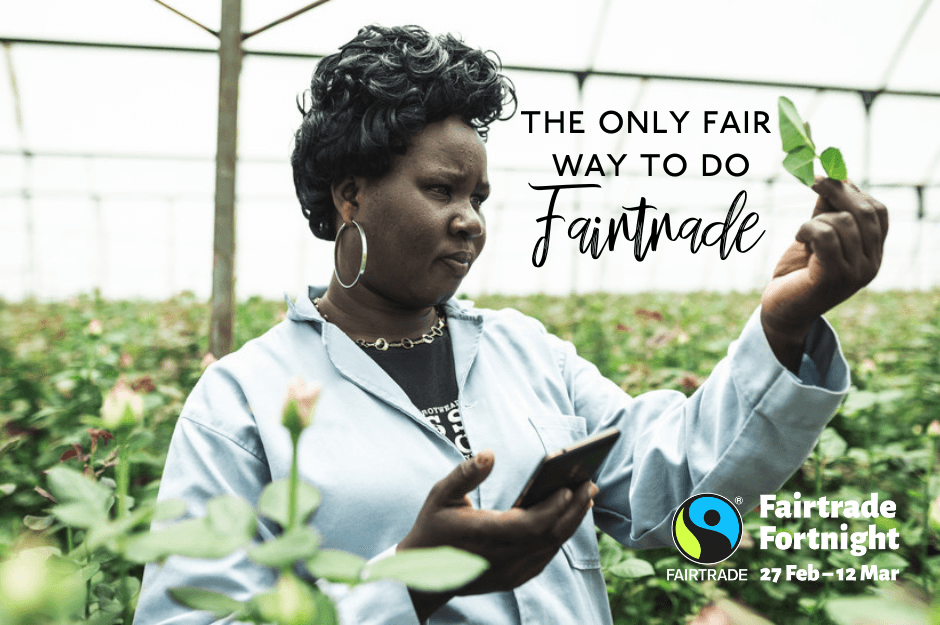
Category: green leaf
[106,531]
[853,610]
[201,599]
[80,514]
[436,569]
[228,515]
[833,164]
[191,538]
[889,560]
[831,445]
[169,509]
[284,550]
[793,133]
[38,523]
[632,568]
[336,566]
[229,524]
[69,485]
[326,611]
[89,571]
[799,162]
[858,401]
[291,602]
[7,489]
[273,502]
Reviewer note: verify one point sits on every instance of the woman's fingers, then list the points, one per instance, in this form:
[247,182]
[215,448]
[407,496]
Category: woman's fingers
[518,543]
[467,476]
[870,215]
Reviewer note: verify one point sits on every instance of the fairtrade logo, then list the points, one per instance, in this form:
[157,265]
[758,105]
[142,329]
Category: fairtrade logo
[707,528]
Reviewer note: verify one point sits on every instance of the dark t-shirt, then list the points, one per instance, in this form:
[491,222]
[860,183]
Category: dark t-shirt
[427,375]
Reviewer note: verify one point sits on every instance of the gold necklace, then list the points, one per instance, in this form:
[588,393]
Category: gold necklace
[382,344]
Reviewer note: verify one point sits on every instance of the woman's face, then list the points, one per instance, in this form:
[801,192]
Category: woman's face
[422,219]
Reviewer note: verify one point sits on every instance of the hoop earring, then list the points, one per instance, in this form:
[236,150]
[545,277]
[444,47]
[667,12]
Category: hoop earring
[362,263]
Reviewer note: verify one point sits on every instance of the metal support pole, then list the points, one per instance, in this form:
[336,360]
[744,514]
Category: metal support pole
[223,265]
[868,98]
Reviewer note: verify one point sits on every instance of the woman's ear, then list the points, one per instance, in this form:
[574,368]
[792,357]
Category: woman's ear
[346,198]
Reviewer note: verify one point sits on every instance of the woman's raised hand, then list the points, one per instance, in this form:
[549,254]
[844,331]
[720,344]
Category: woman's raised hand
[518,543]
[833,255]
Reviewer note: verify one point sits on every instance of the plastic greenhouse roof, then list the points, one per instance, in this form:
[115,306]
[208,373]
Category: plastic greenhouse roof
[95,139]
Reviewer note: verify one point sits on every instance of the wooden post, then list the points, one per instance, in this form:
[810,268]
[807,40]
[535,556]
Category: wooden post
[223,265]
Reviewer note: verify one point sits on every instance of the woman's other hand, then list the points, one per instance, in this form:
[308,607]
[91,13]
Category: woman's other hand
[834,254]
[518,543]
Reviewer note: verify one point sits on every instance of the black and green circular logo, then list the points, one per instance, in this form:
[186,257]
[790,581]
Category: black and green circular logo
[707,528]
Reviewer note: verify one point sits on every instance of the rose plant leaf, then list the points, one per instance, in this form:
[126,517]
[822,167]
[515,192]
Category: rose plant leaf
[831,445]
[105,531]
[632,568]
[799,162]
[290,602]
[79,514]
[337,566]
[69,485]
[833,164]
[231,516]
[218,604]
[286,549]
[793,133]
[195,538]
[38,523]
[326,611]
[273,502]
[435,569]
[187,538]
[169,509]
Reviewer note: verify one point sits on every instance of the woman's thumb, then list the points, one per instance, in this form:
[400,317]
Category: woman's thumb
[468,475]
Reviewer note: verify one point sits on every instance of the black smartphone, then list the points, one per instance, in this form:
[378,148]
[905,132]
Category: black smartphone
[569,466]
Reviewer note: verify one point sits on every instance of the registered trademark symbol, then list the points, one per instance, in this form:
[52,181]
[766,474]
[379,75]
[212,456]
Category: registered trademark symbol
[739,500]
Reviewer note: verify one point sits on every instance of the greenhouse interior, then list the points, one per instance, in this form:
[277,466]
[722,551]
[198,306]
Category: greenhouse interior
[641,196]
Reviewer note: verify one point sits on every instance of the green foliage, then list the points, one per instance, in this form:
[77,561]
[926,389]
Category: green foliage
[877,442]
[103,521]
[274,500]
[56,368]
[797,142]
[433,570]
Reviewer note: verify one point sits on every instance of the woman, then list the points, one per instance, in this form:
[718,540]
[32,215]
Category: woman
[433,413]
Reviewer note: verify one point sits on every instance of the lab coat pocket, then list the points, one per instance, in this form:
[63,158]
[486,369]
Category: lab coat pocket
[581,549]
[555,432]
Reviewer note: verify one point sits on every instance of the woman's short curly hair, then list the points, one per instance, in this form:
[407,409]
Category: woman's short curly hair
[371,97]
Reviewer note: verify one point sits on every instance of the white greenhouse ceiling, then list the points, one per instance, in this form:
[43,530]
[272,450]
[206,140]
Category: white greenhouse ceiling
[108,135]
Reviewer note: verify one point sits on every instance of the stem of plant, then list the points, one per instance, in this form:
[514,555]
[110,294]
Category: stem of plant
[819,471]
[925,570]
[123,474]
[292,490]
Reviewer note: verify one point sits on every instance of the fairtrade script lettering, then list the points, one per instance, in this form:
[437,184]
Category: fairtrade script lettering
[589,236]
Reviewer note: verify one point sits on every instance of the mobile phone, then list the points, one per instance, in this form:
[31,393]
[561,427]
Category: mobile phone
[569,466]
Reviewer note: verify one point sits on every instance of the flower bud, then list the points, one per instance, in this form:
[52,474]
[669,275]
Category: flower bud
[95,328]
[933,430]
[207,360]
[291,602]
[122,406]
[65,386]
[298,409]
